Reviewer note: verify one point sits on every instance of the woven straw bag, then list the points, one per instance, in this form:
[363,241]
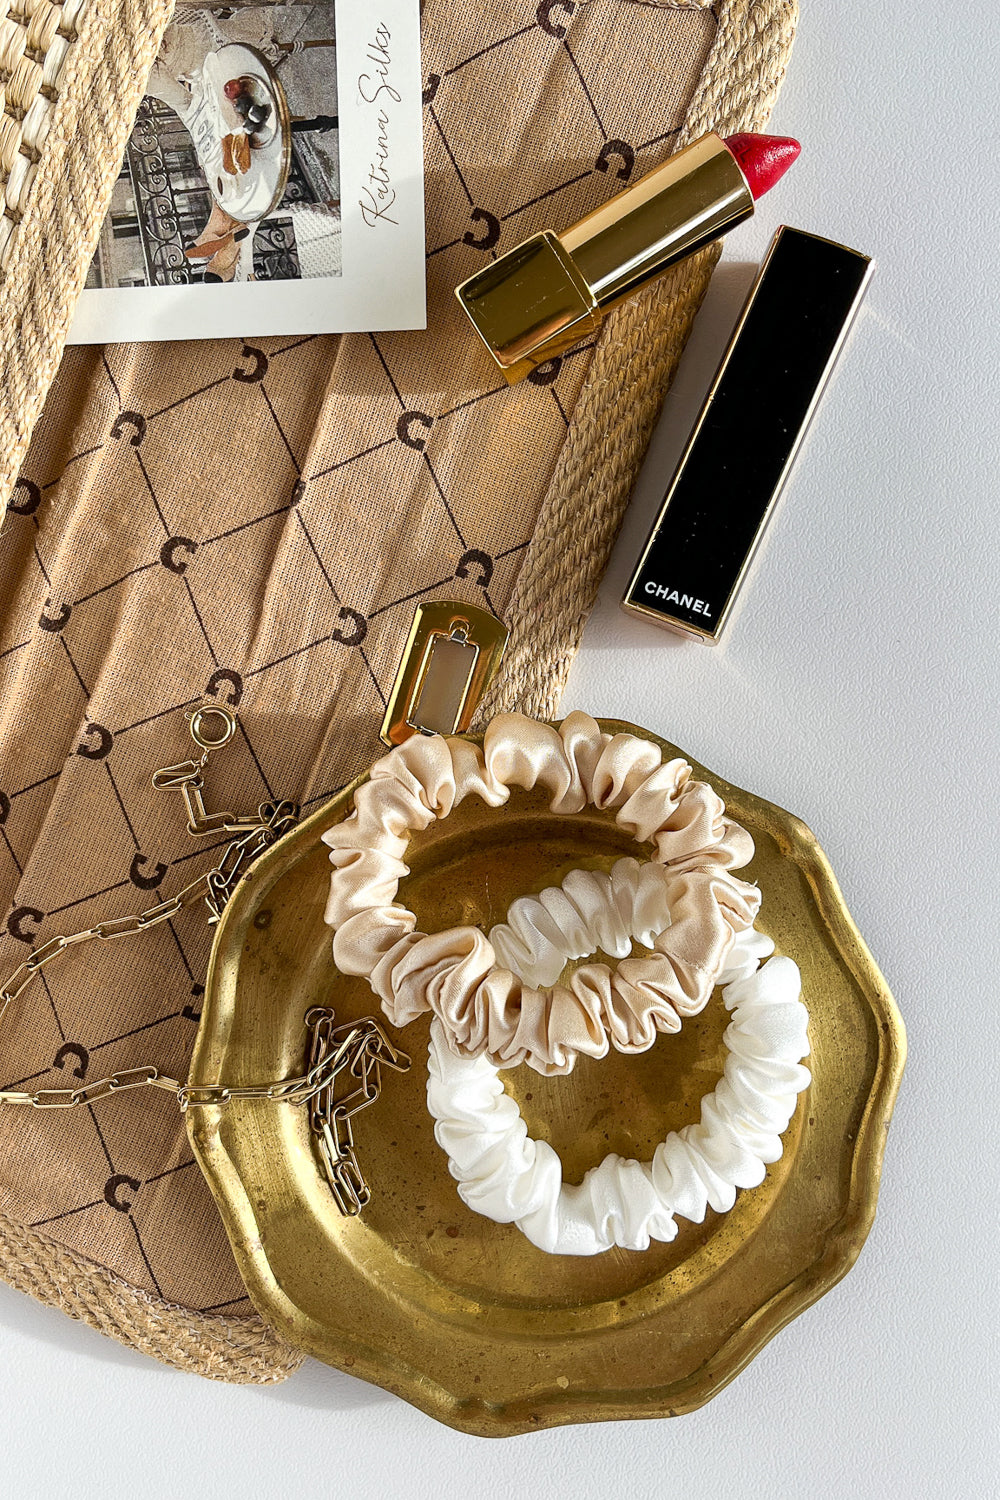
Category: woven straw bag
[254,520]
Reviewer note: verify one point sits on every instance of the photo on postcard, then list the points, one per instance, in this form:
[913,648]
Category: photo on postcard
[232,178]
[232,170]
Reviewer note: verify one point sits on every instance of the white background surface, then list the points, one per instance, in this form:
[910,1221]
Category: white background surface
[858,688]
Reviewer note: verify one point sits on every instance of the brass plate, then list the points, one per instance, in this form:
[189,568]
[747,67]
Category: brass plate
[463,1317]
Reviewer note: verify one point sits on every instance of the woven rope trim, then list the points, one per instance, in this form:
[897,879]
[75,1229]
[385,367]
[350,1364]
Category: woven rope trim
[35,42]
[240,1350]
[87,117]
[100,84]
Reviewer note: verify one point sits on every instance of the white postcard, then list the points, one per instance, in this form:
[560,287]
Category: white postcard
[273,181]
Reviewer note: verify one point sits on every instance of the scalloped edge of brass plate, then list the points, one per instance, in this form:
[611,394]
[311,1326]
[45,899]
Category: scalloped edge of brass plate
[552,1406]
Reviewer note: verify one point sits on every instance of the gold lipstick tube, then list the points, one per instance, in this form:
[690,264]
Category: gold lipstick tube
[552,290]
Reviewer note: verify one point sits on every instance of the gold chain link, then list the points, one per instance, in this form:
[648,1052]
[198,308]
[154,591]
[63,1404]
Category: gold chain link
[358,1045]
[115,927]
[91,1093]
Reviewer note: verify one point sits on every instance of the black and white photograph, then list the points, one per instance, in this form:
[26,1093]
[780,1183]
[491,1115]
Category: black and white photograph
[272,181]
[232,170]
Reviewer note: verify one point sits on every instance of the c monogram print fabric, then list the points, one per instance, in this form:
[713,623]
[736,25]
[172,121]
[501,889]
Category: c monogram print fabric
[253,522]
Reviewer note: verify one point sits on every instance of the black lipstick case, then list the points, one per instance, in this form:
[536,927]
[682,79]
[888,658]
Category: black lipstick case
[782,351]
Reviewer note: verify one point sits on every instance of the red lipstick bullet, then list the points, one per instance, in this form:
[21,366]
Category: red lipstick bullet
[554,289]
[763,158]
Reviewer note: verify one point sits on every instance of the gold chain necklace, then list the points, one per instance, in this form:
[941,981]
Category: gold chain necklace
[344,1072]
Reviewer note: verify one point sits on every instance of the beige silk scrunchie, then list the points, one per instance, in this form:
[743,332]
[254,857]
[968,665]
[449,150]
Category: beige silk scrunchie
[485,1009]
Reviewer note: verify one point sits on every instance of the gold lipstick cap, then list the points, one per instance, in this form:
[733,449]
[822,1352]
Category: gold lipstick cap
[552,290]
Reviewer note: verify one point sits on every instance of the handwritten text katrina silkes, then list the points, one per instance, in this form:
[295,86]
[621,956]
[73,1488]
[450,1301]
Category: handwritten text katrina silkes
[378,195]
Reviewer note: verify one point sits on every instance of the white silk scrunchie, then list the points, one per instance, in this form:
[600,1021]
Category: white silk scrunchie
[485,1008]
[509,1177]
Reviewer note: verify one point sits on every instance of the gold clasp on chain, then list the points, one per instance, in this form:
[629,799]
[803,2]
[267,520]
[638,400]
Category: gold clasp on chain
[211,726]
